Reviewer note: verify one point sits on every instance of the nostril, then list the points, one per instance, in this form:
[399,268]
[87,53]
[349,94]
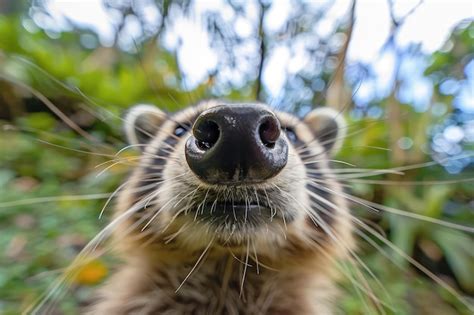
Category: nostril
[269,131]
[206,133]
[236,145]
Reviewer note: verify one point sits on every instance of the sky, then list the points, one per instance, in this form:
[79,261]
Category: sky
[430,26]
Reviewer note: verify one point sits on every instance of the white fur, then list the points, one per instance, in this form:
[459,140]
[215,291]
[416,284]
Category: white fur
[133,114]
[322,114]
[288,271]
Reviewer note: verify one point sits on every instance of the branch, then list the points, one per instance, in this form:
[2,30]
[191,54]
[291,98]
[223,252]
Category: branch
[337,97]
[395,125]
[263,51]
[397,22]
[399,157]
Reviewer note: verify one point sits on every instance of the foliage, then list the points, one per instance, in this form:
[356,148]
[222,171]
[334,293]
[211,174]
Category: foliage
[42,157]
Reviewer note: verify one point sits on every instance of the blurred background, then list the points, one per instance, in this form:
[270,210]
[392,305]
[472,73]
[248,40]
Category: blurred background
[402,72]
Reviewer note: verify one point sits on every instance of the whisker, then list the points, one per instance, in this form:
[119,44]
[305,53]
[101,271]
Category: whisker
[245,267]
[16,203]
[319,222]
[403,255]
[75,150]
[375,206]
[195,265]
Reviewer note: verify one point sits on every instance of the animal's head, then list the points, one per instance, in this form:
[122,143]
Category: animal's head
[236,175]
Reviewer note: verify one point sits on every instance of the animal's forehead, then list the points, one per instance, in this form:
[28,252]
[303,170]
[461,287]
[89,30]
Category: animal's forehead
[190,114]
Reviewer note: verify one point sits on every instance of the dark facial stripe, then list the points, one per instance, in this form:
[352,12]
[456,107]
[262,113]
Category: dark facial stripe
[317,205]
[155,168]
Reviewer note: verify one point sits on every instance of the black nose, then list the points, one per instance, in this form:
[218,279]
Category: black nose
[236,144]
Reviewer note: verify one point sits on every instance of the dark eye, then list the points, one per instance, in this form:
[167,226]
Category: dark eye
[181,129]
[291,134]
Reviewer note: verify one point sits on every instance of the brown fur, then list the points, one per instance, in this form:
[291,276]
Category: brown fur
[278,269]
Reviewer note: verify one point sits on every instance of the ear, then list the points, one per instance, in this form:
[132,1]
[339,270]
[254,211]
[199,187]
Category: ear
[328,126]
[142,122]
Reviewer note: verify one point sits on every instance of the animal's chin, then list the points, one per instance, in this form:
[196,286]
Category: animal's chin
[234,215]
[231,221]
[231,218]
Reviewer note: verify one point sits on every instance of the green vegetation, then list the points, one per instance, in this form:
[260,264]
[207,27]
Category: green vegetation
[42,157]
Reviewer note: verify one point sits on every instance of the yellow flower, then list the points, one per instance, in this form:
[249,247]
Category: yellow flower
[91,273]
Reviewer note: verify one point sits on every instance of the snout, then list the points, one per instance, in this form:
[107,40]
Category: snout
[236,144]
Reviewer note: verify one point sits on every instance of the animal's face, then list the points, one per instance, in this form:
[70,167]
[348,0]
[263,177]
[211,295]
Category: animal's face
[236,174]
